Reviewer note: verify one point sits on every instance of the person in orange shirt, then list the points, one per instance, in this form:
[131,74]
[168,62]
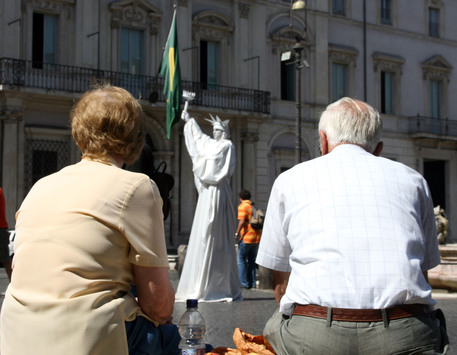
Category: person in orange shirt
[4,237]
[249,239]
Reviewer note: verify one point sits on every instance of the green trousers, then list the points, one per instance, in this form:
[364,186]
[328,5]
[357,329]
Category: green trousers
[305,335]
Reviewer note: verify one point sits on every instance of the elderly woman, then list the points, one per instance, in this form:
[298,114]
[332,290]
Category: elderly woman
[84,235]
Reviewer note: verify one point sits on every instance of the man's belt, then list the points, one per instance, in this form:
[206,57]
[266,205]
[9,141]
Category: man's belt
[361,315]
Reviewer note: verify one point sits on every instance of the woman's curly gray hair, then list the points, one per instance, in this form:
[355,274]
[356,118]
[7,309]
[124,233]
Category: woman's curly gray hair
[108,120]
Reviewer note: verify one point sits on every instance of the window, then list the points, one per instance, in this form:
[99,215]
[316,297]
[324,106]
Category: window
[134,33]
[433,22]
[386,12]
[209,53]
[338,7]
[436,74]
[131,51]
[339,81]
[341,67]
[288,80]
[44,40]
[212,33]
[387,92]
[43,163]
[435,105]
[387,81]
[44,157]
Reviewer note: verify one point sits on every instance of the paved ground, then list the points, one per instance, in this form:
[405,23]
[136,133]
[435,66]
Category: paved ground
[258,305]
[252,313]
[222,318]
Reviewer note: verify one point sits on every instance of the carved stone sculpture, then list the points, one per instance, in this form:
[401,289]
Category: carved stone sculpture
[441,224]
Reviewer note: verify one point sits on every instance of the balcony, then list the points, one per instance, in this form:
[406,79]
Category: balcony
[22,73]
[432,128]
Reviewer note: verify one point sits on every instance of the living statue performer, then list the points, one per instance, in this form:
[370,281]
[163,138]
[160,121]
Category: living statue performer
[210,271]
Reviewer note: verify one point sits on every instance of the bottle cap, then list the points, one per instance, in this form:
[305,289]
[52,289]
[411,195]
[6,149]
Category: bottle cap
[191,303]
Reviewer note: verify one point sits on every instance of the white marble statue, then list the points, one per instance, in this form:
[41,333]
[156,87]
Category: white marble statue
[210,271]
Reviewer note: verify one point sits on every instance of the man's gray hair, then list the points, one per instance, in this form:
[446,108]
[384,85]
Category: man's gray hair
[351,121]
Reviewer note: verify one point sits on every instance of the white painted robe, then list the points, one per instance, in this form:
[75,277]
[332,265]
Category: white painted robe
[210,271]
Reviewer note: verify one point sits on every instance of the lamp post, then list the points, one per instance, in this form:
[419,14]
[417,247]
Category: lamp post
[298,48]
[299,64]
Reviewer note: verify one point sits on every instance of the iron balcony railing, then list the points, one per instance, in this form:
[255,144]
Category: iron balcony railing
[24,73]
[432,126]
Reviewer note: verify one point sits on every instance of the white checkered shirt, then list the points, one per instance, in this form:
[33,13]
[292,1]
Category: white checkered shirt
[354,230]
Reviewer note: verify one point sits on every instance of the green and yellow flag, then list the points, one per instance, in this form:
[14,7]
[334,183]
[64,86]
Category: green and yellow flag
[170,70]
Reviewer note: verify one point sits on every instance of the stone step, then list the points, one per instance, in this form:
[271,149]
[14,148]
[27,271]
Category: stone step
[444,276]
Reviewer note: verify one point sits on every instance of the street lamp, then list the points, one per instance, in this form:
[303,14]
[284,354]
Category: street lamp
[299,5]
[298,47]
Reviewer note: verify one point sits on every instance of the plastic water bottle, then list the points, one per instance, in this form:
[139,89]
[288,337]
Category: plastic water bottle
[192,329]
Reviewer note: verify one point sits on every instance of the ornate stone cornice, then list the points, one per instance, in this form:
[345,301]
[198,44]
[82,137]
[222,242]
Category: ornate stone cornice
[250,137]
[437,3]
[387,61]
[340,54]
[436,68]
[243,10]
[213,24]
[11,116]
[53,5]
[284,38]
[135,14]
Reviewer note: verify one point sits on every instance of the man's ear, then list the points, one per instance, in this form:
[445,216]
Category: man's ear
[324,143]
[378,149]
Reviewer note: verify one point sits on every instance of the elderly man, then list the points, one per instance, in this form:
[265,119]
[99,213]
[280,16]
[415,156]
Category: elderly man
[350,237]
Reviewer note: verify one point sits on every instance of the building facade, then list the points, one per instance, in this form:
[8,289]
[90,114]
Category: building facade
[238,58]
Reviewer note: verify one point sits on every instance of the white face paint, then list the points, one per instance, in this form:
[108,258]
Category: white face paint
[217,133]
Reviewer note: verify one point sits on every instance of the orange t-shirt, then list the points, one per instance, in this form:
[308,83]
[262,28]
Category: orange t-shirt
[249,234]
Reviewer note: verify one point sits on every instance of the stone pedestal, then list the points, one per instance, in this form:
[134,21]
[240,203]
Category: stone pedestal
[444,276]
